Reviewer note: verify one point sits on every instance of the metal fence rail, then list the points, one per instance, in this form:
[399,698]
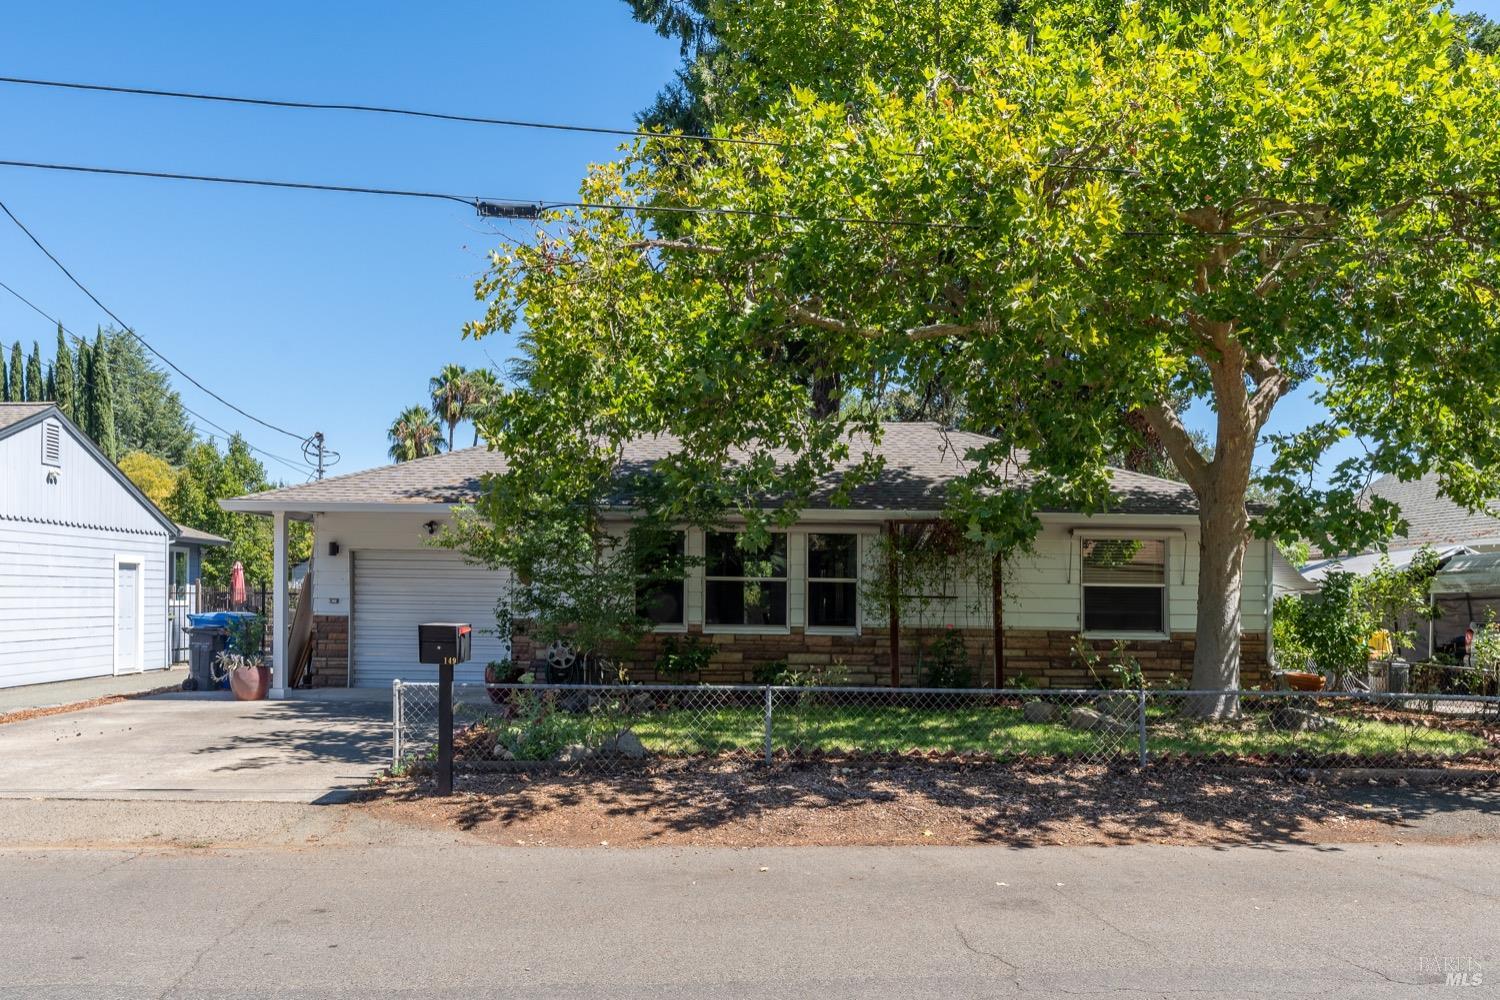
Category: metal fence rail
[603,726]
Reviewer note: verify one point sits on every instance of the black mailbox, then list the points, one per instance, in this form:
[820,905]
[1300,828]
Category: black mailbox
[443,642]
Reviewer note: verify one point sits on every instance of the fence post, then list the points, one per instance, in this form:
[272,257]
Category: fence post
[1141,720]
[768,725]
[396,722]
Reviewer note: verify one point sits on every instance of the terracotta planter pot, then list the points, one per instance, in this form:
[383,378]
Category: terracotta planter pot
[250,683]
[1299,680]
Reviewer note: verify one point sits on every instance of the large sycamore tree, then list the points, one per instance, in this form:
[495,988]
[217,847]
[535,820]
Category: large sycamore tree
[1060,214]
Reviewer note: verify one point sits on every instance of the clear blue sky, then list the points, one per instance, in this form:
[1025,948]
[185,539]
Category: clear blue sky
[319,311]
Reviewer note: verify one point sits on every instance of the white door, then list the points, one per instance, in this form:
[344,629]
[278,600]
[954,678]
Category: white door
[396,591]
[128,633]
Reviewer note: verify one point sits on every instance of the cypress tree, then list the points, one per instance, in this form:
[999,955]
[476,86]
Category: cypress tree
[4,382]
[17,379]
[103,398]
[65,392]
[36,389]
[51,383]
[83,406]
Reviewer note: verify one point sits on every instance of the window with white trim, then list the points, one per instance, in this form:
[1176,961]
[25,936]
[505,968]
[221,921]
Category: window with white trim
[742,586]
[832,579]
[1124,585]
[660,587]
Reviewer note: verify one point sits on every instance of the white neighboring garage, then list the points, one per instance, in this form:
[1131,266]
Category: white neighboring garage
[83,557]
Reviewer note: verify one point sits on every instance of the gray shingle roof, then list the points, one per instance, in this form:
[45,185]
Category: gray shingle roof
[1434,520]
[192,536]
[921,459]
[13,413]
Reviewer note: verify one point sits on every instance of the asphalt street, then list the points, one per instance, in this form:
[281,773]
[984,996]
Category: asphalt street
[437,917]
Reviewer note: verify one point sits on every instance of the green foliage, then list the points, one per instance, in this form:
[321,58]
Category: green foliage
[17,377]
[101,399]
[148,413]
[1396,598]
[153,475]
[1113,208]
[209,476]
[414,434]
[36,387]
[1119,669]
[683,658]
[944,663]
[1333,627]
[575,587]
[62,367]
[247,636]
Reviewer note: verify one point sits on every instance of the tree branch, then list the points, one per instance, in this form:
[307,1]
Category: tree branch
[933,331]
[1179,444]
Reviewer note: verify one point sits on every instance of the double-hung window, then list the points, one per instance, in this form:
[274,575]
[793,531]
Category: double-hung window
[832,580]
[659,576]
[744,586]
[1124,585]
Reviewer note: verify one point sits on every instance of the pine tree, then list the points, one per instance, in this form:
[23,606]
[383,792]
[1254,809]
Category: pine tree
[66,392]
[36,389]
[17,379]
[103,399]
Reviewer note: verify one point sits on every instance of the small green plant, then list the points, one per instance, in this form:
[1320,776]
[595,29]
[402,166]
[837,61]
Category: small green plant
[247,635]
[1023,682]
[780,674]
[945,663]
[681,659]
[1119,670]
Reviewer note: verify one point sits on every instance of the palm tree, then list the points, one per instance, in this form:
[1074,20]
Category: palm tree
[414,434]
[485,390]
[453,395]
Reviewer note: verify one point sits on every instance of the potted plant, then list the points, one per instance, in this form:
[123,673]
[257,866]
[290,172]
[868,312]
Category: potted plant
[501,672]
[249,677]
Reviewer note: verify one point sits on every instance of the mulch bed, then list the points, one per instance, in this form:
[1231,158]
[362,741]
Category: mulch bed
[728,803]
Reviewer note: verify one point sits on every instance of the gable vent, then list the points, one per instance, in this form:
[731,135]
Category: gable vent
[52,443]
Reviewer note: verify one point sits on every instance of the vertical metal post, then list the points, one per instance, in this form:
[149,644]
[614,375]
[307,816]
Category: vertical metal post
[396,712]
[997,615]
[445,728]
[1141,720]
[769,690]
[893,579]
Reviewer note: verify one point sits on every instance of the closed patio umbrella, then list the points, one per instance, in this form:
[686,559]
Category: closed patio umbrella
[237,585]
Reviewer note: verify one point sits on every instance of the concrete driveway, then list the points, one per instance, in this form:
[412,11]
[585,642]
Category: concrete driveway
[198,747]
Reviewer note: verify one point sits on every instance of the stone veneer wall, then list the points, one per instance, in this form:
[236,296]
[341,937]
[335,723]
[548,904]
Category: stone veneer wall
[330,654]
[1045,658]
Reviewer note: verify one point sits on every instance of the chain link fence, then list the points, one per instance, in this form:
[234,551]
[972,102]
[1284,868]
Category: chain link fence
[602,727]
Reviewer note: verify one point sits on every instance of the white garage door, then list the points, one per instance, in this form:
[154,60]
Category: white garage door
[394,592]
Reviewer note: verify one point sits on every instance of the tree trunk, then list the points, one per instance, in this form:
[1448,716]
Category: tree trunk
[1225,524]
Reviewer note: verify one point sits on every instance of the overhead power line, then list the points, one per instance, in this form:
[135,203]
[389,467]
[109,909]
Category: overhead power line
[128,329]
[513,208]
[185,408]
[267,102]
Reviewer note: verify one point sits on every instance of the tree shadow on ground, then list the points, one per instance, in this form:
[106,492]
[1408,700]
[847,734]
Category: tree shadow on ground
[737,803]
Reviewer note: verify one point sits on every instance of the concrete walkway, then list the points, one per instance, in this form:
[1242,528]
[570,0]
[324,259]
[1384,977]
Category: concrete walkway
[198,747]
[15,699]
[462,921]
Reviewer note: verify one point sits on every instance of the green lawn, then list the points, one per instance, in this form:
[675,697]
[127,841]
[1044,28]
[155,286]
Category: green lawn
[999,730]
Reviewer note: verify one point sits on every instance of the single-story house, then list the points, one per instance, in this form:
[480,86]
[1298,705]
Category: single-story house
[1466,588]
[378,575]
[83,557]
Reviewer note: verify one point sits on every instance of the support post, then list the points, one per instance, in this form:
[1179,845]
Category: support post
[445,728]
[893,574]
[769,693]
[1141,721]
[279,614]
[397,707]
[997,615]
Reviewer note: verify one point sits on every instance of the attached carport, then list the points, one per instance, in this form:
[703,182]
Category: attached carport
[1465,594]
